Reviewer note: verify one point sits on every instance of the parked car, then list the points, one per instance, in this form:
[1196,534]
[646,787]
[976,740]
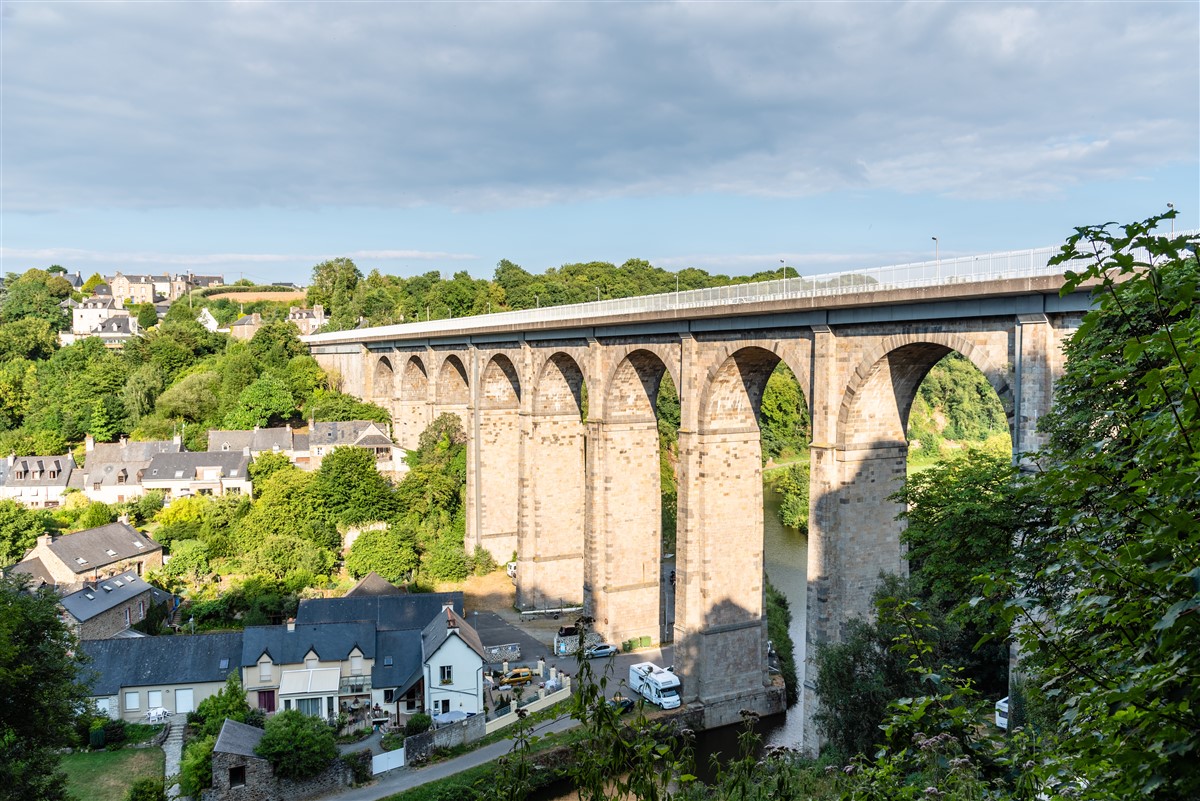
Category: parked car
[621,703]
[598,651]
[516,677]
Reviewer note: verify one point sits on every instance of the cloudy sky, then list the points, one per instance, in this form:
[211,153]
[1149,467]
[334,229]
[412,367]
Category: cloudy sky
[258,139]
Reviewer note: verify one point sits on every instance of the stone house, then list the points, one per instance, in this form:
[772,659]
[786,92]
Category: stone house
[130,289]
[129,676]
[309,321]
[238,774]
[245,328]
[112,471]
[205,473]
[71,560]
[36,481]
[260,440]
[108,607]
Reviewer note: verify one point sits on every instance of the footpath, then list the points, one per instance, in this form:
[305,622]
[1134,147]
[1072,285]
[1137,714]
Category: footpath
[402,779]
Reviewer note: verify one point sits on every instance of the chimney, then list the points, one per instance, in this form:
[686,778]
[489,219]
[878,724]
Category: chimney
[291,624]
[123,519]
[451,625]
[123,441]
[89,443]
[45,539]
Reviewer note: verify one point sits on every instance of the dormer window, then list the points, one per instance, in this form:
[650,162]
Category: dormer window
[264,668]
[138,545]
[80,560]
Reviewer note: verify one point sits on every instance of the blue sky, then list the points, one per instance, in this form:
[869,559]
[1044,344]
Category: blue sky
[258,139]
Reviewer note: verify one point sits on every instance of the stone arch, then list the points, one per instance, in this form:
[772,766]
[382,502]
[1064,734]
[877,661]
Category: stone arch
[500,386]
[452,386]
[726,358]
[879,395]
[632,388]
[383,382]
[668,355]
[732,397]
[559,387]
[414,382]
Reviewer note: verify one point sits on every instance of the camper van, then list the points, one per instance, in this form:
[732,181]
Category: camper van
[656,685]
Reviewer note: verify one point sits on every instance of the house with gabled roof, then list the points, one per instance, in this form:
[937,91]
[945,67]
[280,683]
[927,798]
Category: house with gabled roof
[198,473]
[259,440]
[71,560]
[453,659]
[112,471]
[129,677]
[323,438]
[108,607]
[36,481]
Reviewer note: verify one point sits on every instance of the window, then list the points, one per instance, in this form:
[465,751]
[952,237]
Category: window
[447,674]
[237,776]
[309,706]
[131,700]
[127,617]
[141,610]
[389,696]
[356,664]
[310,661]
[264,670]
[154,699]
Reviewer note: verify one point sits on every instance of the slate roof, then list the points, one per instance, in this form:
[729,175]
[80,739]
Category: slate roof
[238,738]
[346,433]
[102,289]
[37,470]
[112,592]
[249,319]
[99,302]
[35,568]
[148,661]
[403,649]
[438,631]
[258,440]
[387,613]
[107,459]
[101,546]
[331,642]
[374,585]
[116,325]
[183,466]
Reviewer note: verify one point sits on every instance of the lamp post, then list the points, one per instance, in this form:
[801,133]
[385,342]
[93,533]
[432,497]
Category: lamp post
[937,257]
[1171,207]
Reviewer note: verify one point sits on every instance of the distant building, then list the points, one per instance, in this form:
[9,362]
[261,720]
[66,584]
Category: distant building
[206,319]
[130,289]
[112,471]
[324,437]
[245,328]
[207,473]
[70,560]
[307,320]
[116,331]
[91,312]
[36,481]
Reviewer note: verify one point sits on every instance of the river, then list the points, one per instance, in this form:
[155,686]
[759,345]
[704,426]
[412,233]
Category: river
[785,556]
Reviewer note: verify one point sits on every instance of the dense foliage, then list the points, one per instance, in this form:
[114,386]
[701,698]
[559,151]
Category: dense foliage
[40,696]
[297,746]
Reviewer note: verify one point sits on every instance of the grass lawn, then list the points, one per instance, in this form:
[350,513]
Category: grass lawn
[106,775]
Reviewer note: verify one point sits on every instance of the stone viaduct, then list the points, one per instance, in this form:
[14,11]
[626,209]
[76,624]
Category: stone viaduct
[563,464]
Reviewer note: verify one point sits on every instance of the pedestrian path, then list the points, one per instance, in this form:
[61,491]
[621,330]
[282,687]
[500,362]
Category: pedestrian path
[397,781]
[173,748]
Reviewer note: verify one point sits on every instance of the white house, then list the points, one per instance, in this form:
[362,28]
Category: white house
[453,659]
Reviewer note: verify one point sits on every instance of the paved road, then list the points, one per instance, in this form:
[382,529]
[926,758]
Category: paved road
[407,778]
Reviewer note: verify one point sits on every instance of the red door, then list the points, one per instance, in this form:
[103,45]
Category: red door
[266,700]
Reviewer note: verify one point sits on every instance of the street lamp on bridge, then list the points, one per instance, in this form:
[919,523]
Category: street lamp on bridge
[937,257]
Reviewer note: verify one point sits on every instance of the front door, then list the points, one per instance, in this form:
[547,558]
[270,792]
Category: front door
[266,700]
[183,702]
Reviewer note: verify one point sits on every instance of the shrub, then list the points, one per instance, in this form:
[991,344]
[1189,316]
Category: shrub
[146,789]
[417,724]
[296,745]
[195,769]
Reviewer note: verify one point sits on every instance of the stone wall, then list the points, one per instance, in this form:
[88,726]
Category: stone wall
[112,621]
[418,747]
[262,785]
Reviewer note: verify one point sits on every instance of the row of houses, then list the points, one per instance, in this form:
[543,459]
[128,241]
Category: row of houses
[117,472]
[369,656]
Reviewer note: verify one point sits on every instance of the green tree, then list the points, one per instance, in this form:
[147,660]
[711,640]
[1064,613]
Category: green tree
[296,745]
[284,555]
[329,406]
[95,515]
[89,286]
[227,703]
[147,316]
[268,400]
[267,464]
[19,529]
[36,294]
[391,552]
[784,417]
[104,423]
[40,695]
[333,283]
[351,489]
[195,768]
[194,397]
[276,343]
[189,560]
[1108,602]
[27,338]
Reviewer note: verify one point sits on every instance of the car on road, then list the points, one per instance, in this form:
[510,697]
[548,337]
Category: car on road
[516,677]
[621,703]
[598,651]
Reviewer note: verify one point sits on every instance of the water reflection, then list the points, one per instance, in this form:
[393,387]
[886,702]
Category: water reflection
[785,556]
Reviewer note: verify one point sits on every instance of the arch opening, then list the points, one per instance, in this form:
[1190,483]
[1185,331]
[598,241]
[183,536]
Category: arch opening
[383,381]
[452,387]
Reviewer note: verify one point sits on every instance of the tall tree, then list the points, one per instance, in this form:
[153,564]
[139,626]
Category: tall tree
[40,694]
[1110,605]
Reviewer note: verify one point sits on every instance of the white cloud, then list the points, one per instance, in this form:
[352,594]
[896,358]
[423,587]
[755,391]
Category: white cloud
[496,105]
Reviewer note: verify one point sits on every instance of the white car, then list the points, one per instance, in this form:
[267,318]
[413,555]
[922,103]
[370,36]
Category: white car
[598,651]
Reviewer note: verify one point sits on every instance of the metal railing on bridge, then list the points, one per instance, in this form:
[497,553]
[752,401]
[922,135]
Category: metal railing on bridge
[1015,264]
